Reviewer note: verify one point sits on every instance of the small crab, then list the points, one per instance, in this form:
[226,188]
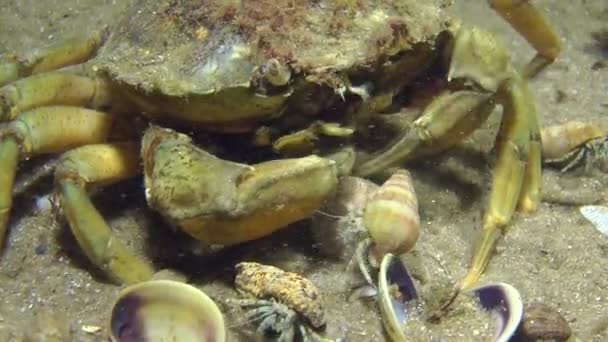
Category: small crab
[285,302]
[277,93]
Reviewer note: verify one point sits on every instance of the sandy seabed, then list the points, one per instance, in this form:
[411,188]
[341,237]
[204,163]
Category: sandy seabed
[553,256]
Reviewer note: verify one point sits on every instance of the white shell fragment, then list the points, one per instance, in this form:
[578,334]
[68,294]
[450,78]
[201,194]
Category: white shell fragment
[597,215]
[90,329]
[504,302]
[163,311]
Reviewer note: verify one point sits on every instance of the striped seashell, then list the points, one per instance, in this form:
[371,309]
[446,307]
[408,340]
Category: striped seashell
[391,216]
[560,139]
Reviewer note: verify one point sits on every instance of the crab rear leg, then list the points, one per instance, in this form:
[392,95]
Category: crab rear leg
[71,52]
[99,165]
[59,128]
[224,203]
[53,88]
[516,174]
[534,27]
[40,131]
[9,154]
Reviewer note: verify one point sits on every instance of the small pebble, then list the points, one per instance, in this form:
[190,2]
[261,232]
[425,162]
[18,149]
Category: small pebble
[43,203]
[542,322]
[41,249]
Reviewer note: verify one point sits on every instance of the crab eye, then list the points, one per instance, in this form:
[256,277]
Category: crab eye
[276,73]
[271,77]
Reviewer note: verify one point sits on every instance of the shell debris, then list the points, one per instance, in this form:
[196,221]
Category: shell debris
[291,289]
[597,215]
[90,329]
[392,217]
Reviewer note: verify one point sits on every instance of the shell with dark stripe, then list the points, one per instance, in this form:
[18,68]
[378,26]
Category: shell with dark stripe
[391,216]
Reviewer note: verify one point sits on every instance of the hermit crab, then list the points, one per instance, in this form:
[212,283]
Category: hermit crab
[284,304]
[573,144]
[273,95]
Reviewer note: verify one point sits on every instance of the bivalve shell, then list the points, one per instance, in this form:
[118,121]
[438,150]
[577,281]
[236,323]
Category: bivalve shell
[504,302]
[395,289]
[397,293]
[165,310]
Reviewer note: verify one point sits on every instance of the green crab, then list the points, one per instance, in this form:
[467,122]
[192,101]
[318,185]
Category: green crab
[276,89]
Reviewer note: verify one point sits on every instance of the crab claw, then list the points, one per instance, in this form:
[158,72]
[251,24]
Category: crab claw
[223,203]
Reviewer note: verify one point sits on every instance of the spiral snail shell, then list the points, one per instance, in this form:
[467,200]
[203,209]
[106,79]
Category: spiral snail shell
[560,139]
[391,216]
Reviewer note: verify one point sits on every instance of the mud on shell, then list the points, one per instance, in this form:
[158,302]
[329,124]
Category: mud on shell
[291,289]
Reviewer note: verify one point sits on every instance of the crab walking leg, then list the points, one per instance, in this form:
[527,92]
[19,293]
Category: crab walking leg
[513,149]
[54,88]
[71,52]
[445,122]
[9,154]
[99,165]
[40,131]
[530,195]
[224,203]
[9,69]
[533,26]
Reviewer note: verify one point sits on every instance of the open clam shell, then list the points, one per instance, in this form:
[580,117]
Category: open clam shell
[504,302]
[165,310]
[396,289]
